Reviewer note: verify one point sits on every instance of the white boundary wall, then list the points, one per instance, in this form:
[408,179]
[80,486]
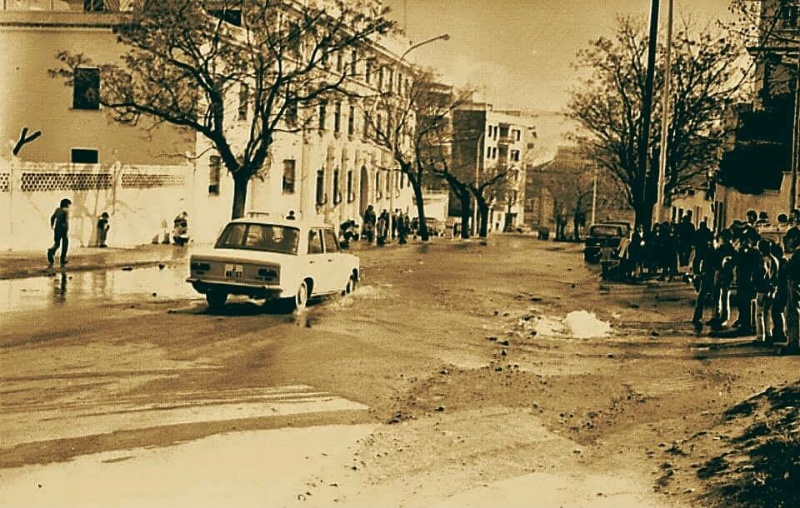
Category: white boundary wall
[142,202]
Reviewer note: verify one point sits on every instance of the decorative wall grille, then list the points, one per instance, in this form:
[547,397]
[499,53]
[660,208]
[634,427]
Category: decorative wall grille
[5,182]
[43,182]
[149,181]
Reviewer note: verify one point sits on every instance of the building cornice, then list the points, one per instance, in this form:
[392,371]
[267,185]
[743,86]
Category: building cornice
[58,19]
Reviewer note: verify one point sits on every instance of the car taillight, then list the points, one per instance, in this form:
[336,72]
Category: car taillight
[268,274]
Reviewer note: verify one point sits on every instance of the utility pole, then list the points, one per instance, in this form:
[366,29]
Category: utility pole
[594,198]
[795,137]
[647,106]
[665,122]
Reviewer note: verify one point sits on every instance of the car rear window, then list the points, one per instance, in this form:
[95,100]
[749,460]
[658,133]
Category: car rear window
[605,231]
[262,237]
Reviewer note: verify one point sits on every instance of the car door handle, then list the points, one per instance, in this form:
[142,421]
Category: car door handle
[330,261]
[311,262]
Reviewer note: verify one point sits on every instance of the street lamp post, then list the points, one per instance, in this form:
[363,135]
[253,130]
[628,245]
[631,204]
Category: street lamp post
[393,174]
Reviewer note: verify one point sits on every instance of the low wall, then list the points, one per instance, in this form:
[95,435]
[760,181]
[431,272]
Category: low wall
[141,201]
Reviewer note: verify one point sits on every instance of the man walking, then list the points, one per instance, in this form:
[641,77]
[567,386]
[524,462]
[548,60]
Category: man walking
[59,222]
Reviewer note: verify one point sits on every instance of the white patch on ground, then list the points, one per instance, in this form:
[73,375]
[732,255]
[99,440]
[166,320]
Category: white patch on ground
[586,325]
[579,324]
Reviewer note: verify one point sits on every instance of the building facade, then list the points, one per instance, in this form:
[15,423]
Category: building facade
[332,169]
[486,142]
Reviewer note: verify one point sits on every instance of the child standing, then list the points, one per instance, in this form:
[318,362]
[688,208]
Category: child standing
[102,230]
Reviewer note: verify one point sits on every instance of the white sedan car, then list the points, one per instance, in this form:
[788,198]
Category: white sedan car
[272,259]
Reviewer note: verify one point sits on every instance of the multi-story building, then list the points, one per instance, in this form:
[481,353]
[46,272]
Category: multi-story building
[755,170]
[485,142]
[145,175]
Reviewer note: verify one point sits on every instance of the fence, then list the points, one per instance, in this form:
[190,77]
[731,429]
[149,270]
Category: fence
[141,200]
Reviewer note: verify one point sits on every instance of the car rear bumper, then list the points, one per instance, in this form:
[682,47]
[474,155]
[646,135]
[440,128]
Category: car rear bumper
[237,288]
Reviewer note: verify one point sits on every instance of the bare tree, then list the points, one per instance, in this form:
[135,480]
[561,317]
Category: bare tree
[412,123]
[608,106]
[188,61]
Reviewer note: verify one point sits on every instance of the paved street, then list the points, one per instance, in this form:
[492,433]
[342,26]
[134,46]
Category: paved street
[436,384]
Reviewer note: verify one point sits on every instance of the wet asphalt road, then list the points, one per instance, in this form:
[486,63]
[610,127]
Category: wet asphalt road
[67,288]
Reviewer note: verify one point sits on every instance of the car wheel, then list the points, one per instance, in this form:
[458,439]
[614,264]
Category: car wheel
[350,286]
[301,297]
[216,299]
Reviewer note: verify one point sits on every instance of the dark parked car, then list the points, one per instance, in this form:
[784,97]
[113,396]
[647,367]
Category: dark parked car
[603,234]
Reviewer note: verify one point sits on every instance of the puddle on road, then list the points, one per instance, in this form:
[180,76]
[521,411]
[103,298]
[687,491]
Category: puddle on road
[578,324]
[37,293]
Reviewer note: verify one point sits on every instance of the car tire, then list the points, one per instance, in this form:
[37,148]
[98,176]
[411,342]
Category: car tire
[352,282]
[301,297]
[216,299]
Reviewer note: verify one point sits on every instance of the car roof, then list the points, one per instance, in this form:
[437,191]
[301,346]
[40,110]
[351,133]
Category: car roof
[281,221]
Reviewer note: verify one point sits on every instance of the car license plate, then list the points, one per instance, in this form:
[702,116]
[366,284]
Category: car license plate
[234,271]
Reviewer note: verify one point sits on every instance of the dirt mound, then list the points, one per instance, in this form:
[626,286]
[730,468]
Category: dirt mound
[749,458]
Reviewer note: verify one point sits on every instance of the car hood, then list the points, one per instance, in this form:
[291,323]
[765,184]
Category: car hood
[255,256]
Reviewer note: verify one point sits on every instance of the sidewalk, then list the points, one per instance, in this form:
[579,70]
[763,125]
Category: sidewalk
[19,264]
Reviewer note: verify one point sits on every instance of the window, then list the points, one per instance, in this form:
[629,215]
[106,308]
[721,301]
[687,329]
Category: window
[380,78]
[789,13]
[515,155]
[517,135]
[379,127]
[315,241]
[354,63]
[390,80]
[293,39]
[263,237]
[321,187]
[378,194]
[351,121]
[83,156]
[232,16]
[368,71]
[489,152]
[86,89]
[93,6]
[288,176]
[214,175]
[244,97]
[331,243]
[337,117]
[350,195]
[337,196]
[489,131]
[494,152]
[323,112]
[366,125]
[402,180]
[291,110]
[339,62]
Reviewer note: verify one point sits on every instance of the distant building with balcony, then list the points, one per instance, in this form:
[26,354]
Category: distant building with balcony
[487,141]
[141,175]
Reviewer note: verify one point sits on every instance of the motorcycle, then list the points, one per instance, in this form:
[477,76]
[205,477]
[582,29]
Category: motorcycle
[348,230]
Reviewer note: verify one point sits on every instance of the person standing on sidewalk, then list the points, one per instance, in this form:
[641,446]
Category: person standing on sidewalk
[59,222]
[102,230]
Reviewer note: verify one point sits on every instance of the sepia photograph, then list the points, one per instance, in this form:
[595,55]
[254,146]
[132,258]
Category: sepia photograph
[399,253]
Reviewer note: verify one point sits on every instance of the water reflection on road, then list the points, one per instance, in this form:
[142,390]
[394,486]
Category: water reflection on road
[115,285]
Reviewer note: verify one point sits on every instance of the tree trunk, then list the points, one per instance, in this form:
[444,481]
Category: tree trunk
[466,213]
[423,228]
[239,196]
[483,211]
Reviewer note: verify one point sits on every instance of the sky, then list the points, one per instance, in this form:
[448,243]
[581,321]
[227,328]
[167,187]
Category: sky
[519,52]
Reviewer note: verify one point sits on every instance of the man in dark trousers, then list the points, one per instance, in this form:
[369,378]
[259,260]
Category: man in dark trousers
[59,222]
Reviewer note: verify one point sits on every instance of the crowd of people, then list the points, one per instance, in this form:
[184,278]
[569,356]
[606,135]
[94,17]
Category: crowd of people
[379,227]
[747,275]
